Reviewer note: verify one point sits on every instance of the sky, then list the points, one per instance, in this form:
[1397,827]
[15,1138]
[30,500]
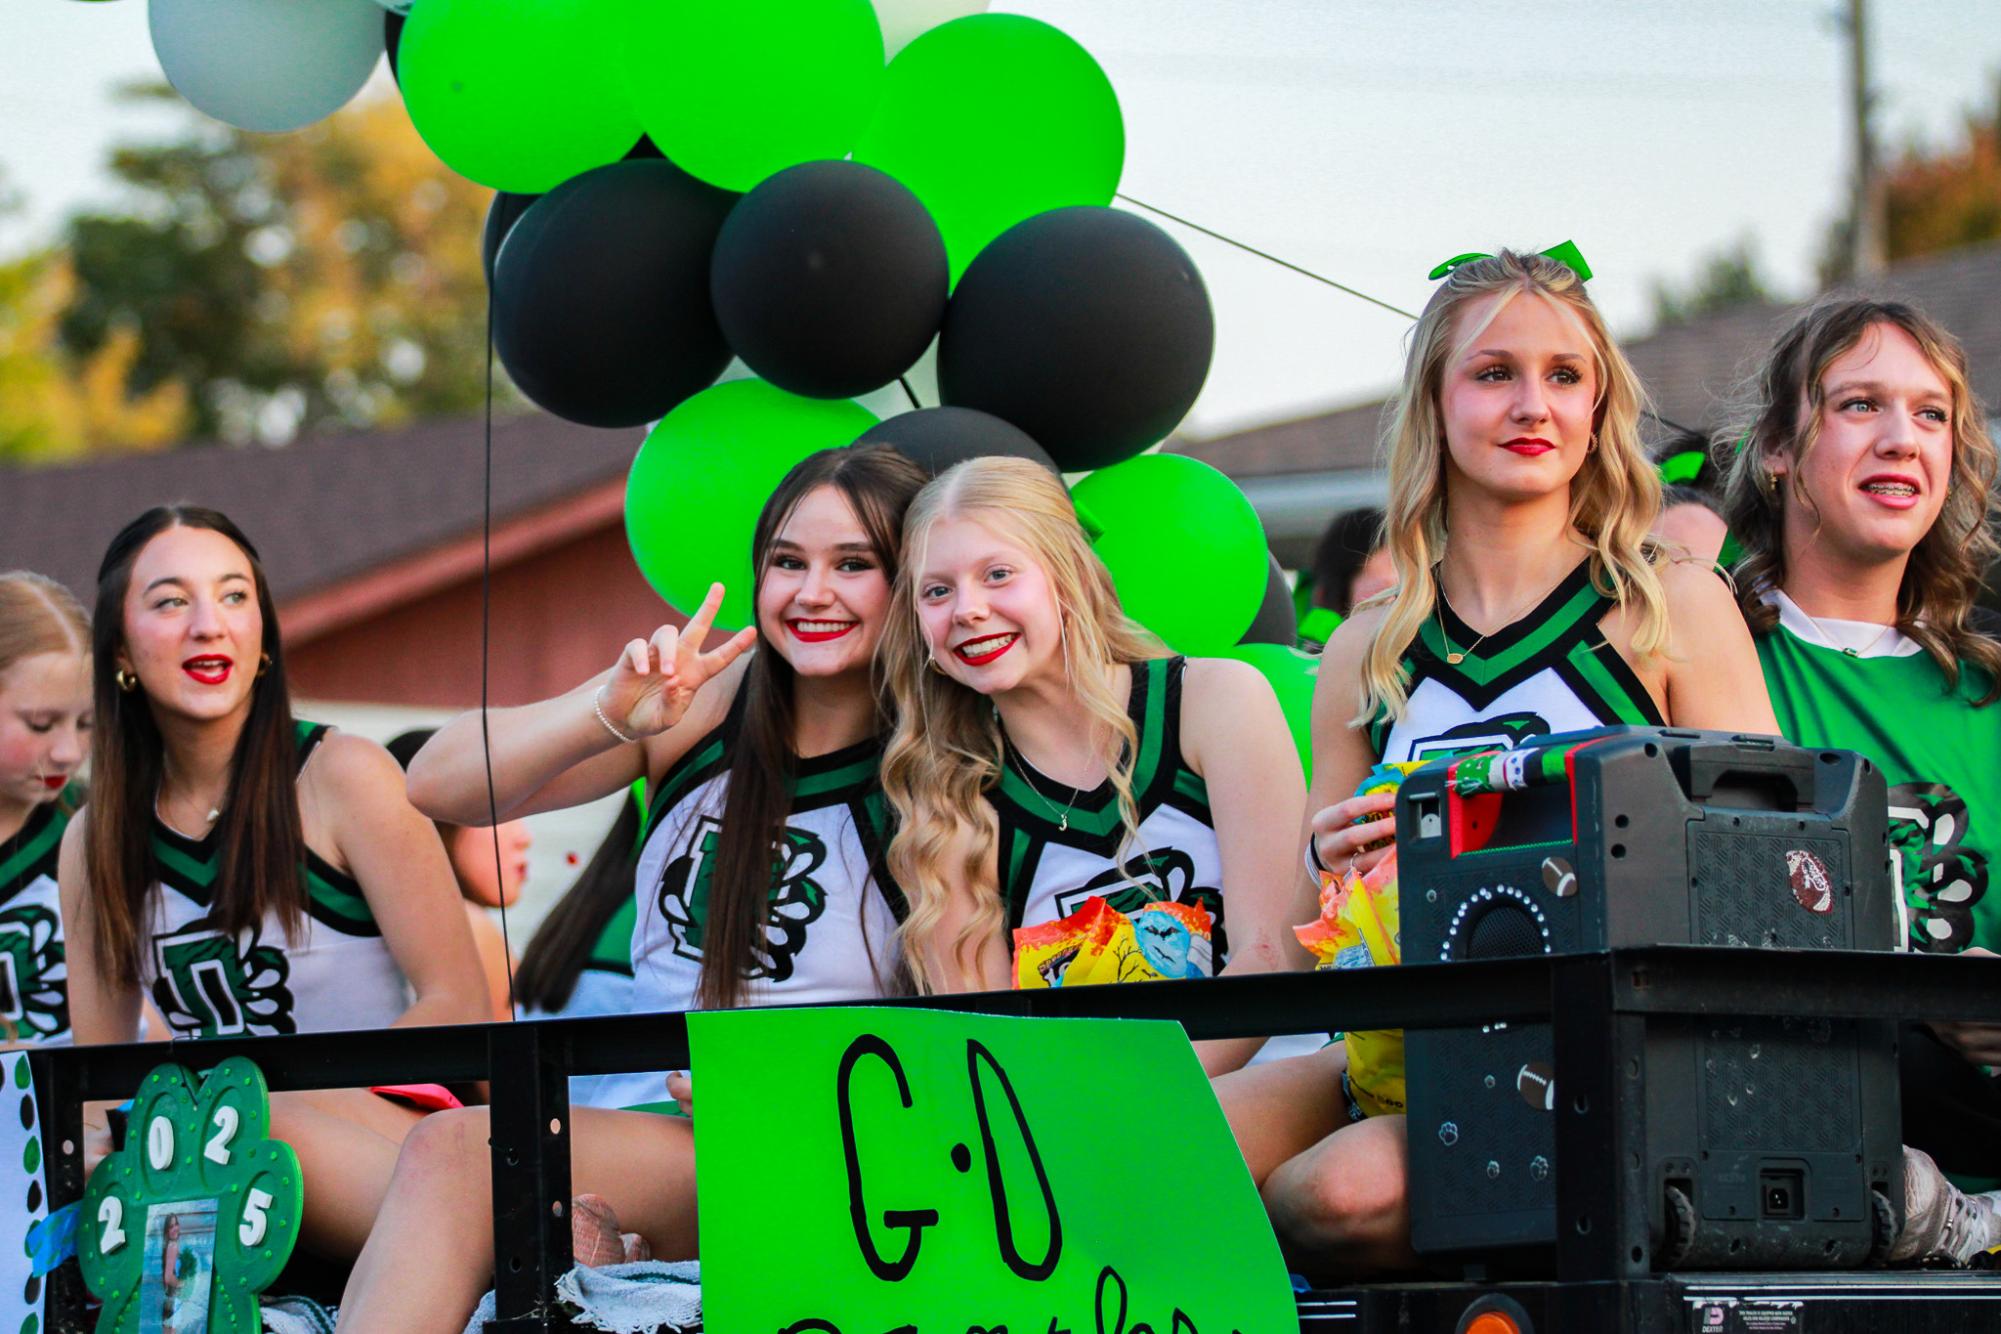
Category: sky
[1363,140]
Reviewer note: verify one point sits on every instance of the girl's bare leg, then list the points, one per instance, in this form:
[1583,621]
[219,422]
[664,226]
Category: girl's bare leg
[1342,1208]
[1283,1108]
[431,1253]
[347,1141]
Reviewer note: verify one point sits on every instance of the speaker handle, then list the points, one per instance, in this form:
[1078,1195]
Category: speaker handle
[1784,774]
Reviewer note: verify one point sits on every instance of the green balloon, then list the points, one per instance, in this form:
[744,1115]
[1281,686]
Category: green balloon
[1292,674]
[695,489]
[991,119]
[734,90]
[1184,546]
[515,95]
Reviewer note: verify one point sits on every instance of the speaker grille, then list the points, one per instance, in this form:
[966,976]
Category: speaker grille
[1743,883]
[1788,1084]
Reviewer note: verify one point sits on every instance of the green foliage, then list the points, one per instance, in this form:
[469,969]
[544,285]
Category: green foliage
[1726,278]
[329,277]
[1941,199]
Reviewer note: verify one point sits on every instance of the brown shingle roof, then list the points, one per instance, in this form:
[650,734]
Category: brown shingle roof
[1689,369]
[319,510]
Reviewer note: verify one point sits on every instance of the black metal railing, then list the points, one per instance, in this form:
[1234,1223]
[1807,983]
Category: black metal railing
[1582,996]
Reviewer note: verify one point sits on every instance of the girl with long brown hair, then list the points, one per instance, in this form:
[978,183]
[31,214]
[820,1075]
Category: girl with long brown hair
[44,739]
[247,872]
[1528,601]
[1049,751]
[1862,498]
[760,879]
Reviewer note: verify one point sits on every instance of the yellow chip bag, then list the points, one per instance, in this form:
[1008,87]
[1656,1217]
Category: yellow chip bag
[1360,927]
[1098,943]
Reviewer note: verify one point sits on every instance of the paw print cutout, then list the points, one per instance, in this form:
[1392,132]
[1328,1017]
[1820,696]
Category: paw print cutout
[198,1212]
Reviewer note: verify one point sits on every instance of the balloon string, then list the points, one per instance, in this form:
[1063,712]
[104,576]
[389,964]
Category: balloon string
[1267,255]
[485,644]
[908,392]
[1322,278]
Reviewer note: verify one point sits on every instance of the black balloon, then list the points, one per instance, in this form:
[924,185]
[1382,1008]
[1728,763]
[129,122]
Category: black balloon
[601,295]
[937,438]
[392,41]
[829,279]
[501,215]
[506,209]
[1276,622]
[1087,327]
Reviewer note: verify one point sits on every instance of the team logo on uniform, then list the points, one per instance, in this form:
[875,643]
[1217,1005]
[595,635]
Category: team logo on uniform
[796,899]
[1937,877]
[1503,733]
[209,988]
[1167,876]
[33,1004]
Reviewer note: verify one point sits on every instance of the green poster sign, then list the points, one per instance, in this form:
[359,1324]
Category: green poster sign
[889,1171]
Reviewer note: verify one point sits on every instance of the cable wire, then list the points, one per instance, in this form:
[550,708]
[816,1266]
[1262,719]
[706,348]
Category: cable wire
[485,656]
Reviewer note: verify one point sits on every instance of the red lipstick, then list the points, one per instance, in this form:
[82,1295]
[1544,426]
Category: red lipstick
[1528,446]
[979,652]
[210,669]
[821,632]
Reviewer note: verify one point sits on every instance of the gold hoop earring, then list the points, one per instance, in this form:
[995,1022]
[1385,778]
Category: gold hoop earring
[1591,445]
[127,682]
[263,664]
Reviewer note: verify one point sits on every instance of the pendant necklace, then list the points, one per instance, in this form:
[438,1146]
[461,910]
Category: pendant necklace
[214,814]
[1062,813]
[1457,656]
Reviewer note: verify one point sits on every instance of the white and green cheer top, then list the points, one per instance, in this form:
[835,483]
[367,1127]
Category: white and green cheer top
[337,975]
[830,924]
[34,985]
[1549,671]
[1872,689]
[1059,845]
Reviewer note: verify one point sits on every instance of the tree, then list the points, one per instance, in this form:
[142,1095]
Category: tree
[329,277]
[1936,198]
[1728,277]
[50,403]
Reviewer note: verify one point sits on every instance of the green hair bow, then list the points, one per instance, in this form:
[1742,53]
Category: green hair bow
[1565,253]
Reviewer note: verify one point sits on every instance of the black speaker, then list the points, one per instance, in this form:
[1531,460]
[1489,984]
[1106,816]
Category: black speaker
[1768,1143]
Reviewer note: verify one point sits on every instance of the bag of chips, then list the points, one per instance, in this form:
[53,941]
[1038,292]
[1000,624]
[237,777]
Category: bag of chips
[1360,926]
[1098,943]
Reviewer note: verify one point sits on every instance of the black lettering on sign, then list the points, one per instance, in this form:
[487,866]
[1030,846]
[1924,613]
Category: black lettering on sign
[912,1221]
[1034,1271]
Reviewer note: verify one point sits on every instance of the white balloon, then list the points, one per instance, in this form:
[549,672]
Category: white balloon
[267,65]
[903,20]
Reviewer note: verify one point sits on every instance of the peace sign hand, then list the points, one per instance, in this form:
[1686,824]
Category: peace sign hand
[656,680]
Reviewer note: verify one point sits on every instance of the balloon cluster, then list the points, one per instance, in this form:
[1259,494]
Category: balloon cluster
[827,190]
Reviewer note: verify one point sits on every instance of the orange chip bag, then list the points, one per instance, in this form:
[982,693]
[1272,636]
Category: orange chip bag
[1098,943]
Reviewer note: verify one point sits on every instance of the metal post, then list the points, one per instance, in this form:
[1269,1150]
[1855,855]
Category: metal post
[1601,1233]
[61,1110]
[531,1176]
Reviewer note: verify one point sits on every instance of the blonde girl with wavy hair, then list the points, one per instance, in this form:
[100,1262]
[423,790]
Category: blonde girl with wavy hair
[1863,502]
[1048,750]
[1528,602]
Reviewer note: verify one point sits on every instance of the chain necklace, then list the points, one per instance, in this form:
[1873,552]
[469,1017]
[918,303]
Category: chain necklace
[214,814]
[1062,813]
[1455,657]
